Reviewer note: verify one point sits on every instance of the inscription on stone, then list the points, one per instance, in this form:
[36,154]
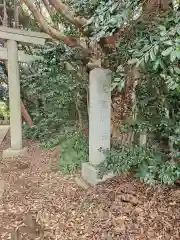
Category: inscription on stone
[99,114]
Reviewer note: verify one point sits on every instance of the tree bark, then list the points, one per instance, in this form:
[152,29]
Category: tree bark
[54,33]
[154,6]
[25,115]
[46,4]
[49,10]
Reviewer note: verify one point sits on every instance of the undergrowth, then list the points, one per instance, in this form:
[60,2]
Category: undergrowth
[57,98]
[73,146]
[148,164]
[73,152]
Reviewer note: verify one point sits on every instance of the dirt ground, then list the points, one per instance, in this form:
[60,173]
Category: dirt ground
[41,203]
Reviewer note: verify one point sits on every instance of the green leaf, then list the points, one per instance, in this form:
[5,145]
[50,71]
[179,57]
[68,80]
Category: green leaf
[146,57]
[117,80]
[173,56]
[178,29]
[172,32]
[132,61]
[162,27]
[169,42]
[177,70]
[156,64]
[145,48]
[161,63]
[171,70]
[167,51]
[140,63]
[152,55]
[162,39]
[114,85]
[121,85]
[178,54]
[163,33]
[156,49]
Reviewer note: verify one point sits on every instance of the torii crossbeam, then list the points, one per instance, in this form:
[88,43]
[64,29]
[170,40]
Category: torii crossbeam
[13,36]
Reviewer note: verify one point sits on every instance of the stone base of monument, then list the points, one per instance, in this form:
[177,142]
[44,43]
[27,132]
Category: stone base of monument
[89,173]
[9,153]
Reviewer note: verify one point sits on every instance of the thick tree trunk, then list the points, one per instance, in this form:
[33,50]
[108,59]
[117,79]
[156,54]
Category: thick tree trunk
[25,115]
[123,108]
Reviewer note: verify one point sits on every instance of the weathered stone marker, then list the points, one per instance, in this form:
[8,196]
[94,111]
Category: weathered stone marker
[99,122]
[13,56]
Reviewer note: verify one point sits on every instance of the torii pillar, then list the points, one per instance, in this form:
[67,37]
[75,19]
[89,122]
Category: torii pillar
[13,36]
[14,96]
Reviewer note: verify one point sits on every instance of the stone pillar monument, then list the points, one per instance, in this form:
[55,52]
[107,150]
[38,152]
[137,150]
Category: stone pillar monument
[99,122]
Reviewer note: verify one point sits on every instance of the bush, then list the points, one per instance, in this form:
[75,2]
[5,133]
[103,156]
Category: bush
[148,164]
[73,151]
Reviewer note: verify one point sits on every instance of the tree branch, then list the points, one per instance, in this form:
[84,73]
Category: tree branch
[49,10]
[68,14]
[54,33]
[46,4]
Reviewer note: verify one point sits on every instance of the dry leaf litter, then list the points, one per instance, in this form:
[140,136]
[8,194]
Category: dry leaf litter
[39,203]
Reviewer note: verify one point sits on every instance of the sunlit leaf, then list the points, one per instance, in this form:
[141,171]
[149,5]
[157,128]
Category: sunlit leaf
[167,51]
[169,42]
[178,54]
[163,33]
[177,70]
[162,27]
[152,54]
[178,29]
[132,61]
[173,56]
[140,63]
[161,63]
[156,64]
[165,38]
[146,57]
[156,49]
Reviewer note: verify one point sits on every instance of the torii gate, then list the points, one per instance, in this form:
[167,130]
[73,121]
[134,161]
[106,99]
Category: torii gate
[13,36]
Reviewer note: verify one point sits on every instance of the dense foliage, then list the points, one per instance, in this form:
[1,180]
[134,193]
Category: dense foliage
[148,164]
[55,91]
[154,47]
[56,100]
[74,151]
[112,15]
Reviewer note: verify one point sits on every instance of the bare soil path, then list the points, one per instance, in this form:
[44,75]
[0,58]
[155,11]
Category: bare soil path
[39,203]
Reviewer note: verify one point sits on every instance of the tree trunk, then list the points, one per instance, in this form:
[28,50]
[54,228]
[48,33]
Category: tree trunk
[25,115]
[123,108]
[54,33]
